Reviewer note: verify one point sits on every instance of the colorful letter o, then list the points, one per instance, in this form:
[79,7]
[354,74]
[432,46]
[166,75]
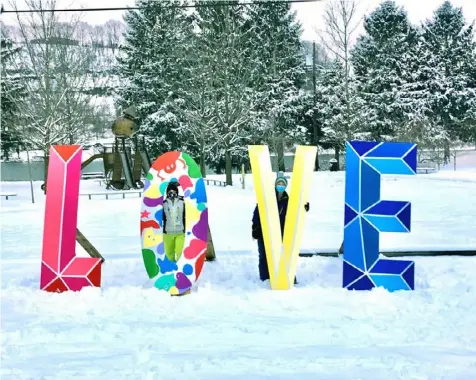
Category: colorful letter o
[174,277]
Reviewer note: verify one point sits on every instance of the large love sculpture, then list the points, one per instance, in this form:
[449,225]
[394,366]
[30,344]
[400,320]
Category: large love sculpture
[366,216]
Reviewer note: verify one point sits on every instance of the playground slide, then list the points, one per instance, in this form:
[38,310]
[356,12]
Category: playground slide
[145,162]
[137,167]
[145,158]
[127,169]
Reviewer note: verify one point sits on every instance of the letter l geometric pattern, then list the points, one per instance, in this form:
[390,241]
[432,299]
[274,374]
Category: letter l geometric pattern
[61,269]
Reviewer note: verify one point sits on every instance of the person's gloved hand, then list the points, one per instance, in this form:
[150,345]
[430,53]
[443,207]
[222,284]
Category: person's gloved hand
[306,206]
[256,231]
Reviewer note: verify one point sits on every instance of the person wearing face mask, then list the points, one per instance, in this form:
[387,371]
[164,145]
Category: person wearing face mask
[173,223]
[256,232]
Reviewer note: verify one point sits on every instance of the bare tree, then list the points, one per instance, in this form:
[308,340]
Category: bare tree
[341,20]
[114,31]
[98,35]
[12,31]
[59,73]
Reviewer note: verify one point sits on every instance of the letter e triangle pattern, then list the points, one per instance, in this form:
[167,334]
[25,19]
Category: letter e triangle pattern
[366,215]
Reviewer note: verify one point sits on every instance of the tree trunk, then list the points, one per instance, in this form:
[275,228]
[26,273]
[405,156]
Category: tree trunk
[446,156]
[228,167]
[315,140]
[337,155]
[314,87]
[6,154]
[30,176]
[47,158]
[203,168]
[280,152]
[210,255]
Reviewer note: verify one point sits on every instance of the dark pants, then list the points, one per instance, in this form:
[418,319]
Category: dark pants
[263,264]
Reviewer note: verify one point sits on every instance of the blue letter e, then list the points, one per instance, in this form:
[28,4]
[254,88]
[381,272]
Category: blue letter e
[366,215]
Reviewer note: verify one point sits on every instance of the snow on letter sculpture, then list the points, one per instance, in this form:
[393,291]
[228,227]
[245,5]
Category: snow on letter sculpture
[174,277]
[61,269]
[366,216]
[282,255]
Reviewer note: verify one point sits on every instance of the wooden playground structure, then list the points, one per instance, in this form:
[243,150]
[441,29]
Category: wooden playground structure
[126,160]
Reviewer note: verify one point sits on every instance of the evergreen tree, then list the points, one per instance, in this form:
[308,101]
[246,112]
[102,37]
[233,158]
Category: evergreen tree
[336,106]
[331,105]
[279,72]
[12,92]
[151,63]
[415,99]
[225,72]
[451,49]
[199,132]
[383,58]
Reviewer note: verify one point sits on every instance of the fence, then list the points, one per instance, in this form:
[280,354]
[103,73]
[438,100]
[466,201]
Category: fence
[18,171]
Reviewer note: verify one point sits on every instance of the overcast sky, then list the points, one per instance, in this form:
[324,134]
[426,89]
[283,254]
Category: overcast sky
[310,14]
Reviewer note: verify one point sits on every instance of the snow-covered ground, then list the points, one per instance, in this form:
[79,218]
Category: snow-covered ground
[233,326]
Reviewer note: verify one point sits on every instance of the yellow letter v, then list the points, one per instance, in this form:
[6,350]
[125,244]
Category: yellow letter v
[282,254]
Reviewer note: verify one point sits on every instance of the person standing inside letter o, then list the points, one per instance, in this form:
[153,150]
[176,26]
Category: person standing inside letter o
[174,223]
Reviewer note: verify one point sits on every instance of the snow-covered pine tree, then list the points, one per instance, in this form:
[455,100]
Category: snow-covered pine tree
[336,106]
[451,49]
[316,57]
[199,131]
[226,72]
[331,104]
[12,92]
[415,100]
[382,60]
[150,64]
[279,72]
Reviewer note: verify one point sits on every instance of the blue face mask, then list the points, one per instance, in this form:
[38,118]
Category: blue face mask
[280,188]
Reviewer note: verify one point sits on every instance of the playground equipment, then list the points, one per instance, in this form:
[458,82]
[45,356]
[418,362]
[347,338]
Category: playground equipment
[126,159]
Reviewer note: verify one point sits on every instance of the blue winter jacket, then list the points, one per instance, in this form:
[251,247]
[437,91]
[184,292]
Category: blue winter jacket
[282,209]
